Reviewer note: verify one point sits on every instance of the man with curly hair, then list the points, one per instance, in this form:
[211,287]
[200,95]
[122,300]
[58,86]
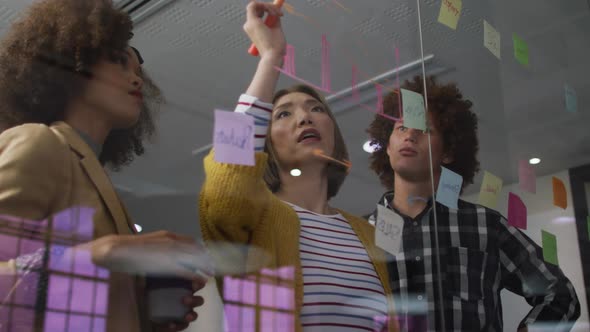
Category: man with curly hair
[479,253]
[74,98]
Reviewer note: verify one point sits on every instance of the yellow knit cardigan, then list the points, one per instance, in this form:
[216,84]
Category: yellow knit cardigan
[236,206]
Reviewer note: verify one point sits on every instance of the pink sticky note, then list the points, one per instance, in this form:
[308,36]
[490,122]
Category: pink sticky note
[526,177]
[516,211]
[289,60]
[233,138]
[354,85]
[326,80]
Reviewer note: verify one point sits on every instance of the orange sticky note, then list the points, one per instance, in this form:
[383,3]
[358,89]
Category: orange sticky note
[559,194]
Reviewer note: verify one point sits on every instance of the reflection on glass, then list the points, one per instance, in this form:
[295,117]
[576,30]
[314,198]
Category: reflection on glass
[269,293]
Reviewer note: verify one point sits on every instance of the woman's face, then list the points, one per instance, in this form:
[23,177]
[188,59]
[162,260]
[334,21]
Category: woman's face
[115,89]
[300,124]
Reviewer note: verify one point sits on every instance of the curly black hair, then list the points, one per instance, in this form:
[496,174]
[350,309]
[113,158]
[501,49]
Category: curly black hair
[45,62]
[452,117]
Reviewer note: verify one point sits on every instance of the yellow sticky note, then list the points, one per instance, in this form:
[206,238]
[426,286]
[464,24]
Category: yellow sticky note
[490,188]
[559,193]
[450,11]
[491,39]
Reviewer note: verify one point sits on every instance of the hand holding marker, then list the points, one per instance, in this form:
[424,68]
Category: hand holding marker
[270,21]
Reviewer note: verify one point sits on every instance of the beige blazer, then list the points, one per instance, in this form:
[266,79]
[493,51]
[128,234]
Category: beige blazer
[48,169]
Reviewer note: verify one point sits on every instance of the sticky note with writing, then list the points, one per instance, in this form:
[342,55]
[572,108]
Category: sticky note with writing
[414,114]
[491,39]
[526,177]
[549,242]
[516,211]
[571,99]
[389,229]
[450,11]
[559,193]
[233,138]
[449,188]
[521,50]
[490,188]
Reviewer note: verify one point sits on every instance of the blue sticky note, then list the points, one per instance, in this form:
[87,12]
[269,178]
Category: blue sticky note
[233,138]
[414,114]
[449,188]
[571,99]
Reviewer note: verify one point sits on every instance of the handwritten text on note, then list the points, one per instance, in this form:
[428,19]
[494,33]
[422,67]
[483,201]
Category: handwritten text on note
[389,229]
[414,114]
[449,188]
[490,189]
[450,11]
[491,39]
[233,138]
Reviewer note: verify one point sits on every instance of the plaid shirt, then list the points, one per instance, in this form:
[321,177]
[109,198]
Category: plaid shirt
[480,254]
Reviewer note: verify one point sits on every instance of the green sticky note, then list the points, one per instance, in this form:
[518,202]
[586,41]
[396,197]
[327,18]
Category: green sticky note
[549,247]
[521,50]
[414,114]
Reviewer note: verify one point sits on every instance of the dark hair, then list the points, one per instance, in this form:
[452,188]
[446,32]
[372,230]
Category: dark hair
[45,62]
[452,117]
[336,172]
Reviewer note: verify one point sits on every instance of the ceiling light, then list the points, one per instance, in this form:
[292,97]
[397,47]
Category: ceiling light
[295,172]
[564,220]
[534,161]
[138,228]
[370,148]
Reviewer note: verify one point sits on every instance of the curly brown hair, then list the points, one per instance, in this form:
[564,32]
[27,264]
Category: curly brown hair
[452,117]
[45,62]
[336,172]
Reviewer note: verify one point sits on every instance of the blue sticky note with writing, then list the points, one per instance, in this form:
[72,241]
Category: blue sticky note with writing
[571,99]
[233,138]
[414,114]
[449,188]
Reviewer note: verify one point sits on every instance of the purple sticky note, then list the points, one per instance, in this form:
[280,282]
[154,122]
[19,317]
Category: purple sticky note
[526,177]
[233,138]
[516,211]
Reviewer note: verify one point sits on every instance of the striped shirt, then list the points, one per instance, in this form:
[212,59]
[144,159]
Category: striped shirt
[341,289]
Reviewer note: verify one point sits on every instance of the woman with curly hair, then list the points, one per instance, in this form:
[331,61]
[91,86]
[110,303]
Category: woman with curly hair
[74,98]
[454,261]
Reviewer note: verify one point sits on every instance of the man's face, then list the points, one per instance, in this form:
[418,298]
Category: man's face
[408,151]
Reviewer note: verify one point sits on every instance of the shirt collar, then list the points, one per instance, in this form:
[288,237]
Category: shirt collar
[387,198]
[96,148]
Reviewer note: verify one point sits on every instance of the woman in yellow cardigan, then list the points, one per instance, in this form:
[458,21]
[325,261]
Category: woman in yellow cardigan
[281,205]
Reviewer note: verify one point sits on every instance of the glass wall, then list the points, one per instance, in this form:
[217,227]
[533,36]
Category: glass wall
[456,198]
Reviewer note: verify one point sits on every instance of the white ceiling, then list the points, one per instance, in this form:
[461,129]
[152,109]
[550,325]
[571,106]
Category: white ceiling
[196,51]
